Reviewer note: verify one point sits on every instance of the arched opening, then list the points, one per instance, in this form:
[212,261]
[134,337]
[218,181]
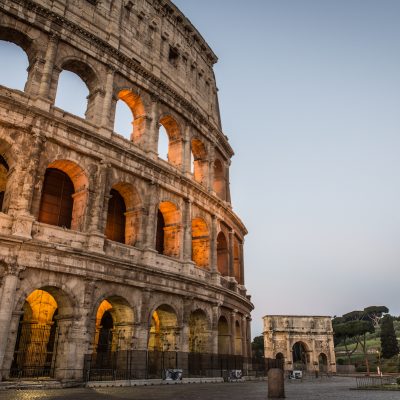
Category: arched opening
[300,356]
[64,195]
[163,341]
[114,325]
[57,199]
[323,363]
[35,352]
[123,119]
[72,94]
[164,332]
[135,129]
[222,254]
[168,229]
[3,180]
[115,227]
[169,141]
[200,163]
[223,336]
[76,89]
[219,185]
[237,271]
[200,243]
[198,332]
[279,356]
[13,65]
[238,339]
[163,143]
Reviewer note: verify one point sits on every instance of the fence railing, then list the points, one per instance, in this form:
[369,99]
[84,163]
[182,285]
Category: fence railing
[142,364]
[374,381]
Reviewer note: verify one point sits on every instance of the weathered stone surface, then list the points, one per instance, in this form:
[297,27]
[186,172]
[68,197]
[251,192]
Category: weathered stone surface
[304,342]
[147,54]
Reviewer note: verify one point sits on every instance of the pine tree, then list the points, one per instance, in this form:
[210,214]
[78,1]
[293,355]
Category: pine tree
[389,344]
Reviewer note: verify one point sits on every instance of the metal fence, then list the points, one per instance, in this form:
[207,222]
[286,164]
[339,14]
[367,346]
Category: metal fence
[142,364]
[374,381]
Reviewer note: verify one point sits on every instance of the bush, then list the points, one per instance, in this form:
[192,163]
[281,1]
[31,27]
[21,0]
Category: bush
[361,368]
[398,380]
[340,361]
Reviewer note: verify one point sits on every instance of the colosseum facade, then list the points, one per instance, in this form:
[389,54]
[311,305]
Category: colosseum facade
[106,247]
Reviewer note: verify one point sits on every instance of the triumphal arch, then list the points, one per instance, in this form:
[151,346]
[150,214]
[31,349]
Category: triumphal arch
[111,254]
[303,342]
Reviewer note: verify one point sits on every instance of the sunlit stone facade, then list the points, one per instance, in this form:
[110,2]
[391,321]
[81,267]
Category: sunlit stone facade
[104,246]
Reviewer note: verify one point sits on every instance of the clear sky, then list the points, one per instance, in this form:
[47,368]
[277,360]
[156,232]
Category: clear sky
[310,99]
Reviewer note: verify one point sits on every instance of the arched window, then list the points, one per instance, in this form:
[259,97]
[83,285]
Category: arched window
[56,202]
[163,143]
[3,179]
[72,94]
[200,163]
[123,119]
[237,271]
[130,116]
[223,336]
[169,141]
[219,185]
[163,330]
[115,228]
[200,243]
[13,66]
[222,254]
[168,229]
[238,339]
[160,232]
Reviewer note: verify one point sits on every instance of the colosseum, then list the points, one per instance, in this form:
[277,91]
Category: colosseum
[112,257]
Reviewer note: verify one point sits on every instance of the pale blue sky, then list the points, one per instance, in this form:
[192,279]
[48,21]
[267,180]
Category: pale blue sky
[310,100]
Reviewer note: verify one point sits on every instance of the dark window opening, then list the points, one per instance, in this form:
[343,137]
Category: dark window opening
[56,203]
[160,233]
[173,56]
[115,228]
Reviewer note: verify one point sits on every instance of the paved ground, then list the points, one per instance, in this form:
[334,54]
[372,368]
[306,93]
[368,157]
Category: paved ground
[326,389]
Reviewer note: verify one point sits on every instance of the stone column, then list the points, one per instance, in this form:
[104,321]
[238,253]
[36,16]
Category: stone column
[243,326]
[152,128]
[241,249]
[96,224]
[213,244]
[43,100]
[187,230]
[22,224]
[248,335]
[233,332]
[187,152]
[35,70]
[211,159]
[231,253]
[227,182]
[150,224]
[108,117]
[214,328]
[10,283]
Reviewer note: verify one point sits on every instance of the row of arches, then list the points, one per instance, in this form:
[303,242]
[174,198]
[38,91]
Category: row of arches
[159,131]
[63,202]
[41,333]
[301,360]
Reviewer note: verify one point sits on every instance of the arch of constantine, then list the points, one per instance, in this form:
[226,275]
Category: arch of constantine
[105,246]
[303,342]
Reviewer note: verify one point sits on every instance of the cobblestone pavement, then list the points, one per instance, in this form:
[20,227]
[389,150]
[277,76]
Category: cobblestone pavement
[332,388]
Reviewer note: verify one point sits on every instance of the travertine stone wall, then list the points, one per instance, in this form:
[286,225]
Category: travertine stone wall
[148,54]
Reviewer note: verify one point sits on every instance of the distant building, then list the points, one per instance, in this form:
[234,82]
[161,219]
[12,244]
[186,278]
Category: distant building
[304,342]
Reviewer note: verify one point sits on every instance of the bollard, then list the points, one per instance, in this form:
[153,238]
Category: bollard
[276,384]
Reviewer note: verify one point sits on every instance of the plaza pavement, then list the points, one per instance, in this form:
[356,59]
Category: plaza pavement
[326,389]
